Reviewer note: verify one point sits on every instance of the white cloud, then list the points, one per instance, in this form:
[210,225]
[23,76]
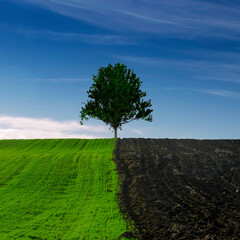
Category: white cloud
[33,128]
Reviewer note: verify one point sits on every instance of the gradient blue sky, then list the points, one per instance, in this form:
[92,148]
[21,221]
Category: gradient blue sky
[186,53]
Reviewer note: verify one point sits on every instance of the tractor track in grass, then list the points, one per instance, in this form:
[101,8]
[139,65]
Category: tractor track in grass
[58,189]
[180,189]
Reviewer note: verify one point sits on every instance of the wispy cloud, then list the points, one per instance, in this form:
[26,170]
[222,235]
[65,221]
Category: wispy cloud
[154,20]
[234,79]
[102,39]
[59,80]
[225,69]
[173,63]
[222,93]
[137,131]
[186,18]
[215,92]
[30,128]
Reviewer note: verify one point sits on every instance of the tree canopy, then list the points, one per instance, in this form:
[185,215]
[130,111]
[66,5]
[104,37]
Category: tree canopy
[116,98]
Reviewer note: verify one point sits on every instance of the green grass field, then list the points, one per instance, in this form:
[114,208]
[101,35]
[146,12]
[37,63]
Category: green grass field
[59,189]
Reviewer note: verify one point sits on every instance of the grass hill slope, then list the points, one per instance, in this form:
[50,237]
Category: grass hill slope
[59,189]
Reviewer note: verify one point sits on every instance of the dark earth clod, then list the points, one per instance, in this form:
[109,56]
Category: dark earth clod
[180,189]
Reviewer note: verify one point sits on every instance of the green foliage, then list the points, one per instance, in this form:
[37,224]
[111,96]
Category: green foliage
[116,97]
[59,189]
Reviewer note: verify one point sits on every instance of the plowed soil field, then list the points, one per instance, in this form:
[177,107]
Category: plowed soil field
[180,189]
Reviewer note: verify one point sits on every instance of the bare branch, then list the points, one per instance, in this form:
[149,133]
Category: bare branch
[129,121]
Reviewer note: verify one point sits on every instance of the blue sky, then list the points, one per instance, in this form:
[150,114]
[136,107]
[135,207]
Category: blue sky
[186,53]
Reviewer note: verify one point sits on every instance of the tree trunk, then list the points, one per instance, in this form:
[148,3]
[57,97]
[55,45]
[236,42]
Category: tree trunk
[115,130]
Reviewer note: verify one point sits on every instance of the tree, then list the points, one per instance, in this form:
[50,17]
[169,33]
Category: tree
[116,98]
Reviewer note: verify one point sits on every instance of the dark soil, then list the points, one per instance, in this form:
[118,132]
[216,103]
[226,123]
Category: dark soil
[180,189]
